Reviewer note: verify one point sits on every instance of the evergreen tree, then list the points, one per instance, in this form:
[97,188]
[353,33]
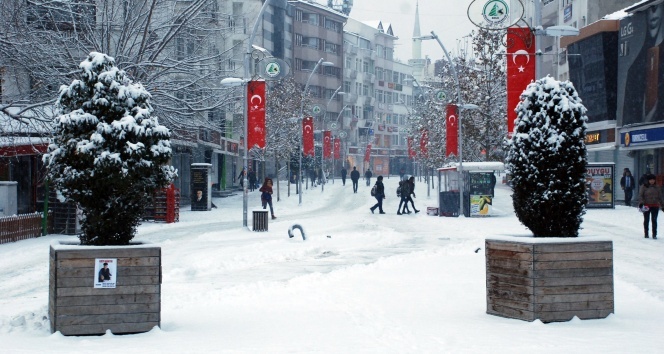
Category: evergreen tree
[109,154]
[547,159]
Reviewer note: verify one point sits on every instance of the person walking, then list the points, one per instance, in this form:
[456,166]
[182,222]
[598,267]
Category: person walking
[627,185]
[643,181]
[405,192]
[266,195]
[411,183]
[355,177]
[343,175]
[380,195]
[368,175]
[650,201]
[251,177]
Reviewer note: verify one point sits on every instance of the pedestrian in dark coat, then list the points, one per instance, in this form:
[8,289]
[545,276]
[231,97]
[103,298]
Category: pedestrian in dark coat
[405,193]
[251,176]
[355,177]
[380,195]
[266,195]
[241,178]
[650,202]
[343,175]
[627,184]
[368,175]
[411,182]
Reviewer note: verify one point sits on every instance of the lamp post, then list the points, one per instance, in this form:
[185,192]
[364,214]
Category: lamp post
[306,87]
[322,135]
[461,107]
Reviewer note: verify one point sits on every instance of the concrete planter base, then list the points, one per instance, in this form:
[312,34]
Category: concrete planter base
[76,307]
[549,281]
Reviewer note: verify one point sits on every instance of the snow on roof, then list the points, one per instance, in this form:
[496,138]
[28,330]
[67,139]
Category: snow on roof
[476,166]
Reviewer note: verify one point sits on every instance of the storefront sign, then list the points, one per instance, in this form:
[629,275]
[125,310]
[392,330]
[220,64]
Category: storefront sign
[600,136]
[642,137]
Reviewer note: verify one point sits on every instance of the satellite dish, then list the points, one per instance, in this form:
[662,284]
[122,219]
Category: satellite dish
[333,125]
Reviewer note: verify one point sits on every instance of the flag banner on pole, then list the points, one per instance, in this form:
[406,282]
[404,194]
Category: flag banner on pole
[411,152]
[424,141]
[327,144]
[337,148]
[520,69]
[256,114]
[452,131]
[308,136]
[367,154]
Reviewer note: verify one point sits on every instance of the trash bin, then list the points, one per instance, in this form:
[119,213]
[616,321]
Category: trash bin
[260,220]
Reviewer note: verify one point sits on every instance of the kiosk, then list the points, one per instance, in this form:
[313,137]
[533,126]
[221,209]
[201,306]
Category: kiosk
[478,185]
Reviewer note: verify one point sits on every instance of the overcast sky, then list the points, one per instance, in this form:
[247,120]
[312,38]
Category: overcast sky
[447,18]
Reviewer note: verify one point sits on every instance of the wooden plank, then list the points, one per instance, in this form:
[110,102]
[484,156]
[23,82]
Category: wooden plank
[527,306]
[88,272]
[510,279]
[63,282]
[570,273]
[508,246]
[572,256]
[522,256]
[108,299]
[585,264]
[548,299]
[598,246]
[97,309]
[522,289]
[129,252]
[107,319]
[573,281]
[568,315]
[509,295]
[528,273]
[510,263]
[511,313]
[573,289]
[116,328]
[573,306]
[130,289]
[122,262]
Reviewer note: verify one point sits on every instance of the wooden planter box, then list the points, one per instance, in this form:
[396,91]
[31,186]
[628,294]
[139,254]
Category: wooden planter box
[76,307]
[549,281]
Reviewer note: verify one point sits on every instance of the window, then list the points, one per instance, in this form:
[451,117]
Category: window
[365,66]
[379,73]
[333,25]
[349,63]
[365,90]
[365,44]
[347,86]
[331,48]
[311,42]
[310,18]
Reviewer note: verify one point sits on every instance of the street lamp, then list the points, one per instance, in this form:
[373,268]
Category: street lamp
[322,135]
[461,107]
[306,87]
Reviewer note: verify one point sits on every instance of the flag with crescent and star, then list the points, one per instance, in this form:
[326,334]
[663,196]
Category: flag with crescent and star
[367,153]
[520,68]
[424,141]
[452,131]
[308,137]
[411,152]
[256,114]
[337,148]
[327,144]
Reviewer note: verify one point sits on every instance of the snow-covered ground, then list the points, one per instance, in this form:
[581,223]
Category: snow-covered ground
[360,283]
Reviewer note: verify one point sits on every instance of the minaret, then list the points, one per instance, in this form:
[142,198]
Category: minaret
[417,43]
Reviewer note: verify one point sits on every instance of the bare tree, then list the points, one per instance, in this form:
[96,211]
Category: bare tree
[175,49]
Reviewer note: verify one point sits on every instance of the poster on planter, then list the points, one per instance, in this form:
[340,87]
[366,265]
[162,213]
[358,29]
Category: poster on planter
[600,186]
[105,273]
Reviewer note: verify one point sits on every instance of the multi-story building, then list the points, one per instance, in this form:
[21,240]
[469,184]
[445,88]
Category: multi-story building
[379,95]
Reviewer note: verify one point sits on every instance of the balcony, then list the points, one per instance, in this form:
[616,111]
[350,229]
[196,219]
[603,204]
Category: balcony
[369,78]
[350,98]
[351,74]
[350,49]
[369,101]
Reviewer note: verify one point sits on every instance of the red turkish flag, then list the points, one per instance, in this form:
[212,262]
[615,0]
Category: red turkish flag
[367,154]
[452,128]
[520,69]
[256,114]
[424,140]
[308,136]
[327,144]
[337,148]
[411,152]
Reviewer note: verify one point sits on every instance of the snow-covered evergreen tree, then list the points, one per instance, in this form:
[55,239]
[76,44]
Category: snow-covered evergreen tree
[109,154]
[547,159]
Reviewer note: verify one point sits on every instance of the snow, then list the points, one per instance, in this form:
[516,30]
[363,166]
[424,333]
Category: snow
[360,283]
